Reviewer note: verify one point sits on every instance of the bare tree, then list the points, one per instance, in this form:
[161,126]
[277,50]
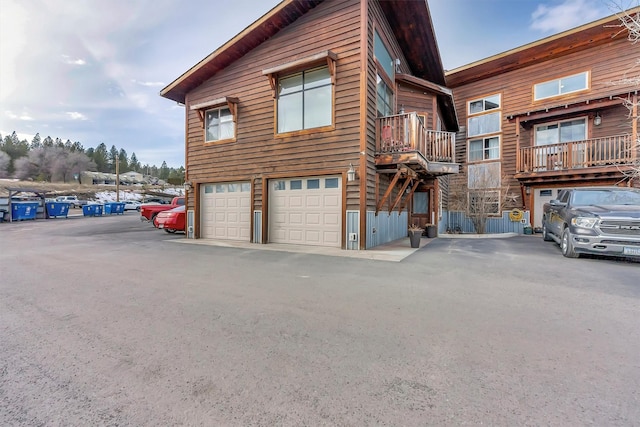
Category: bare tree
[630,23]
[485,194]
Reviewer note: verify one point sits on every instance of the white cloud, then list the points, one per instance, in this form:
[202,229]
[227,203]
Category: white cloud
[149,84]
[566,14]
[24,116]
[74,115]
[67,60]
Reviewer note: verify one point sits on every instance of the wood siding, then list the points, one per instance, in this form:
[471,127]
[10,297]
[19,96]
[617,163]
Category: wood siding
[607,62]
[258,152]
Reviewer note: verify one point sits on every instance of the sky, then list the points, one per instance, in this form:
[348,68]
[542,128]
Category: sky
[92,71]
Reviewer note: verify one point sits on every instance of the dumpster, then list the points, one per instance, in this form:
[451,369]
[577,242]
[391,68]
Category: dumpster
[113,208]
[89,210]
[24,210]
[57,209]
[98,210]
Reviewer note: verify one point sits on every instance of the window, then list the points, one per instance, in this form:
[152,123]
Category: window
[385,98]
[313,184]
[296,185]
[562,86]
[565,131]
[331,183]
[484,149]
[484,104]
[305,100]
[485,175]
[219,124]
[420,203]
[382,55]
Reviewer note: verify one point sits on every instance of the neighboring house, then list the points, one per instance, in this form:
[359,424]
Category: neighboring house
[550,115]
[322,123]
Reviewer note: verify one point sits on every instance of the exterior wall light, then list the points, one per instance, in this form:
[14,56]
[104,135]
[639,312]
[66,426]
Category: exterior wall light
[351,173]
[187,186]
[597,119]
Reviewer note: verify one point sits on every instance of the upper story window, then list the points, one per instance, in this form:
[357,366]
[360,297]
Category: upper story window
[305,100]
[562,86]
[385,98]
[484,116]
[484,149]
[219,124]
[383,56]
[563,131]
[218,117]
[304,90]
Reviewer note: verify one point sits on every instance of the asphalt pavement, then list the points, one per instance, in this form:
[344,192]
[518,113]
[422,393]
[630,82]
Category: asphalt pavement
[107,321]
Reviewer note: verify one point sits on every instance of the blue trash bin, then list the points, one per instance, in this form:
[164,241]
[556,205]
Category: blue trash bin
[89,210]
[98,210]
[24,210]
[108,208]
[119,208]
[57,209]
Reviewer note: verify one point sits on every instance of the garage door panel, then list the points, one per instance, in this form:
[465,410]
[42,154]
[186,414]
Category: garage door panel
[306,211]
[226,212]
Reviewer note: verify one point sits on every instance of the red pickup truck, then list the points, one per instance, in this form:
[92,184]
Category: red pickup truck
[149,212]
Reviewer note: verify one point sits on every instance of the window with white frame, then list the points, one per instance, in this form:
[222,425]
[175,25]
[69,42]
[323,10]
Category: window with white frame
[561,131]
[305,100]
[219,124]
[561,86]
[484,115]
[484,149]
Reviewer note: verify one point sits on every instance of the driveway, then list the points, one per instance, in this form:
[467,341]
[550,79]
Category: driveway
[108,321]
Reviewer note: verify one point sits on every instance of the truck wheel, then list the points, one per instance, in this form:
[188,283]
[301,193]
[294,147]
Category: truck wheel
[153,220]
[170,230]
[545,233]
[566,244]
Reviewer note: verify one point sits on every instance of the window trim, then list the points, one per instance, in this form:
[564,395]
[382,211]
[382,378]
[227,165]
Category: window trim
[318,60]
[483,99]
[203,107]
[587,87]
[586,129]
[483,139]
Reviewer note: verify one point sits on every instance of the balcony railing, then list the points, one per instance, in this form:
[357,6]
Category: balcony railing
[406,132]
[597,152]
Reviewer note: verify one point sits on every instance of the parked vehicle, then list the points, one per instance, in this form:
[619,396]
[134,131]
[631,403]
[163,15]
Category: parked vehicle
[132,205]
[172,220]
[597,220]
[73,201]
[148,212]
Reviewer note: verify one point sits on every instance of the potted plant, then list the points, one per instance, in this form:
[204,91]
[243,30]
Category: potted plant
[415,233]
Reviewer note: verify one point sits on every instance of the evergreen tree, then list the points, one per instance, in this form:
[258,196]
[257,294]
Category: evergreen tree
[113,158]
[59,143]
[124,161]
[77,147]
[164,171]
[47,142]
[101,158]
[36,142]
[134,164]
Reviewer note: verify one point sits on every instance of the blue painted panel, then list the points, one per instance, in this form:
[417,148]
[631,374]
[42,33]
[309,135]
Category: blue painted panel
[353,226]
[257,227]
[386,227]
[459,222]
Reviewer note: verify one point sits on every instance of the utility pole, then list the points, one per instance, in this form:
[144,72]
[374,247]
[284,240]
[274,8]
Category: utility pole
[118,177]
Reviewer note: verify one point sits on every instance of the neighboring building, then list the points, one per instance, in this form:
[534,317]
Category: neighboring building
[322,123]
[550,115]
[126,178]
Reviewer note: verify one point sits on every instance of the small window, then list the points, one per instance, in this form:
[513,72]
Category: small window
[279,185]
[484,104]
[219,124]
[246,187]
[562,86]
[546,193]
[296,185]
[220,188]
[313,184]
[233,188]
[484,149]
[208,189]
[331,183]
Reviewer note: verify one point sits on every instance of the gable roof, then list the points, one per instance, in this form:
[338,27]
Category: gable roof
[407,19]
[561,44]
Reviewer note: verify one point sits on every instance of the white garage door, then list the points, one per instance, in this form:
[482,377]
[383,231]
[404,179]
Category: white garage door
[226,211]
[540,197]
[306,211]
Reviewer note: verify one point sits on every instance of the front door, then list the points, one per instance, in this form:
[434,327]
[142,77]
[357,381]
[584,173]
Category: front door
[420,212]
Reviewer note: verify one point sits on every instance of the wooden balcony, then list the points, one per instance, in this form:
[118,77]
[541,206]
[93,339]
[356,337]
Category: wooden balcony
[584,157]
[403,140]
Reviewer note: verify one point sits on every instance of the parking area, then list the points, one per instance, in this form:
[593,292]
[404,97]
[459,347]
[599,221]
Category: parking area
[108,321]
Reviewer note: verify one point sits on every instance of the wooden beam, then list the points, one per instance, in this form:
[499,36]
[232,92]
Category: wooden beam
[303,62]
[410,195]
[400,194]
[388,192]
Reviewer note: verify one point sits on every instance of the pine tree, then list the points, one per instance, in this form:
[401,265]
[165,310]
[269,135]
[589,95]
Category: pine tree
[36,142]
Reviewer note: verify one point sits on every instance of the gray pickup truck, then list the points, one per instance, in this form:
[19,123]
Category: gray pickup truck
[595,220]
[73,201]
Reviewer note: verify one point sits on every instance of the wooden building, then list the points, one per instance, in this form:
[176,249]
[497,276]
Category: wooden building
[557,113]
[322,123]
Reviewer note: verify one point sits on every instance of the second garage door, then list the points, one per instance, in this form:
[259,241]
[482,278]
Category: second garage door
[226,211]
[306,211]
